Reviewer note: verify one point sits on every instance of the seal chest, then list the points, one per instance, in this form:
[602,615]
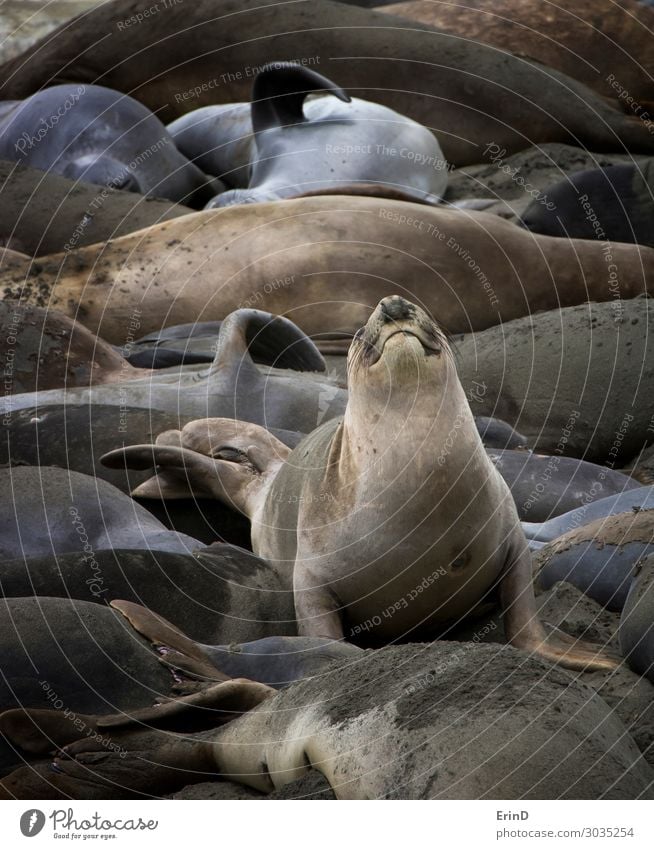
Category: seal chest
[395,501]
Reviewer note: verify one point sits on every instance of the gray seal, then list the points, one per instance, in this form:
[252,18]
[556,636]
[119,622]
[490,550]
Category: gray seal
[280,147]
[97,135]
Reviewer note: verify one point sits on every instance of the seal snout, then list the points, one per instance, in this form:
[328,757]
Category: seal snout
[396,308]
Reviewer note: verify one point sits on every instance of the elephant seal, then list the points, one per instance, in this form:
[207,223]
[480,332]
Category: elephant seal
[537,373]
[330,143]
[43,349]
[233,386]
[43,213]
[613,204]
[87,659]
[544,486]
[403,707]
[387,527]
[603,44]
[220,595]
[472,269]
[46,510]
[101,137]
[635,500]
[209,52]
[637,620]
[598,558]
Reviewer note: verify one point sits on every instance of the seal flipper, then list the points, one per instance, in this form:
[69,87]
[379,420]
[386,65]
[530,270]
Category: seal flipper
[228,699]
[228,460]
[524,630]
[279,92]
[161,633]
[40,731]
[269,338]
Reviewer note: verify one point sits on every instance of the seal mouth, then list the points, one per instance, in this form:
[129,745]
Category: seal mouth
[399,319]
[374,351]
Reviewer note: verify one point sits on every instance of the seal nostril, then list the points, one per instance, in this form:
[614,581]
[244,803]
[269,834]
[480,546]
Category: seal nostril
[395,308]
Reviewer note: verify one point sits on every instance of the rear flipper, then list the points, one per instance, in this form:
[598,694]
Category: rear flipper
[524,630]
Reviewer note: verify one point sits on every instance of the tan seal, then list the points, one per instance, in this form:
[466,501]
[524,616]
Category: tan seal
[325,262]
[392,520]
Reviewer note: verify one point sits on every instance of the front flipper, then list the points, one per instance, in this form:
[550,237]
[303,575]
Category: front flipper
[317,608]
[524,630]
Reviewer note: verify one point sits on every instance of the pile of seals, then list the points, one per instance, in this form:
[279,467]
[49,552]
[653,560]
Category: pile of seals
[327,410]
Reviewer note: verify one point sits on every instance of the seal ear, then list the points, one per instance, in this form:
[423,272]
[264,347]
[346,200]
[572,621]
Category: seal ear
[279,92]
[269,338]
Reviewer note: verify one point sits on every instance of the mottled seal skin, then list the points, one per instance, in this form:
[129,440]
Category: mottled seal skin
[403,707]
[46,510]
[603,44]
[544,486]
[102,137]
[48,350]
[634,500]
[220,595]
[414,519]
[43,213]
[637,620]
[598,558]
[234,386]
[575,381]
[210,52]
[614,204]
[329,143]
[472,269]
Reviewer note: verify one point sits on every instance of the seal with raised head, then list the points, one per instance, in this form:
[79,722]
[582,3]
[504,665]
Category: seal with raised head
[385,525]
[97,135]
[332,143]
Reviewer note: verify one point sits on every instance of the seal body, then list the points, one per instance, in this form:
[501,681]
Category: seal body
[598,558]
[472,269]
[392,521]
[97,135]
[330,143]
[614,204]
[210,52]
[637,620]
